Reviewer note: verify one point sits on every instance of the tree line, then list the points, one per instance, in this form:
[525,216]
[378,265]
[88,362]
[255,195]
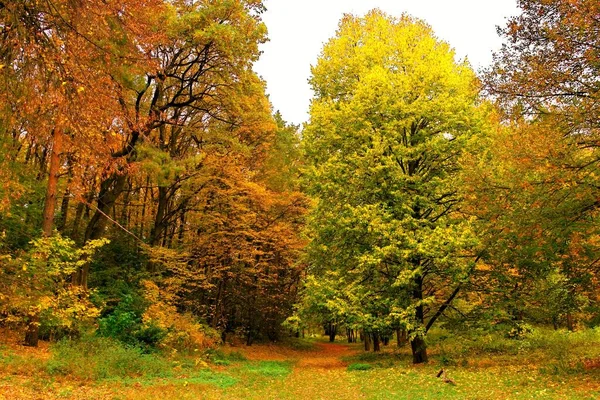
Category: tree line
[149,191]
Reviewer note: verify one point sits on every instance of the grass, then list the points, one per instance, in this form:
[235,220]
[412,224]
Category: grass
[299,344]
[359,367]
[274,369]
[544,365]
[99,358]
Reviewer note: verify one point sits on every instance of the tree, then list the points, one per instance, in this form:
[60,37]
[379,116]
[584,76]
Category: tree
[545,78]
[536,219]
[390,117]
[550,63]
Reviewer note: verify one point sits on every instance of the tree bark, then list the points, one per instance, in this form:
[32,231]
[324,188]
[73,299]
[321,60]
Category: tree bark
[570,322]
[33,325]
[332,331]
[159,219]
[110,190]
[376,342]
[419,350]
[51,188]
[417,344]
[32,334]
[401,337]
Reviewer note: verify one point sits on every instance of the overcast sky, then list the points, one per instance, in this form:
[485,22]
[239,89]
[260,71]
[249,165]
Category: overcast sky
[299,28]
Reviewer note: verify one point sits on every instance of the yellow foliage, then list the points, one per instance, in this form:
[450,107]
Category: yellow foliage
[184,332]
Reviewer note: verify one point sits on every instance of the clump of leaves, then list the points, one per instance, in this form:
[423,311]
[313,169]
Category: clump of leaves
[36,283]
[519,331]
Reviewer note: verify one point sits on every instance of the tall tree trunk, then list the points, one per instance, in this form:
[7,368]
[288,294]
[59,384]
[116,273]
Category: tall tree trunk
[110,190]
[417,343]
[32,334]
[570,322]
[33,325]
[51,188]
[367,341]
[64,211]
[159,223]
[419,350]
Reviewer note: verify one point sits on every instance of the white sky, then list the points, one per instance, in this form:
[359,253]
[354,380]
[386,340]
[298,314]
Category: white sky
[299,28]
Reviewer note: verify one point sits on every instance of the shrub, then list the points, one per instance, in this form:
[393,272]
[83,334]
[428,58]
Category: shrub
[95,357]
[125,325]
[183,332]
[519,331]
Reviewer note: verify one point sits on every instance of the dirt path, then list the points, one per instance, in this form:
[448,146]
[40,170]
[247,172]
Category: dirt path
[327,355]
[313,373]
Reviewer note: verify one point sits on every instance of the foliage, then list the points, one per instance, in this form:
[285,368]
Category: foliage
[392,114]
[36,282]
[179,332]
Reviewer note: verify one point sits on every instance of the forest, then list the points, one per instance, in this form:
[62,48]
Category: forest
[428,232]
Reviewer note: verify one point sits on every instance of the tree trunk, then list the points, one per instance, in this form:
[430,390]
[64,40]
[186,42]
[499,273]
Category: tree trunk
[376,342]
[419,350]
[110,190]
[51,188]
[417,344]
[367,341]
[159,222]
[401,337]
[32,334]
[570,322]
[64,211]
[332,331]
[33,326]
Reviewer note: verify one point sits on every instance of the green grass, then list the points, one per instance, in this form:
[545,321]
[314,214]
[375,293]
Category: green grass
[359,367]
[219,357]
[273,369]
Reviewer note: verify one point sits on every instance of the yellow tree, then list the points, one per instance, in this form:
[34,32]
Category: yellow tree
[391,114]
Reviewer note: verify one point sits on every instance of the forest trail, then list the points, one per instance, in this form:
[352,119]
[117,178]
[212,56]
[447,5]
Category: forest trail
[323,354]
[316,373]
[326,355]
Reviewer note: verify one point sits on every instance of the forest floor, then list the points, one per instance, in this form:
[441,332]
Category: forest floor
[308,370]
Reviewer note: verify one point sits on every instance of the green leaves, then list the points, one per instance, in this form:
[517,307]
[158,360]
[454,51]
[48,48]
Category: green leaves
[391,116]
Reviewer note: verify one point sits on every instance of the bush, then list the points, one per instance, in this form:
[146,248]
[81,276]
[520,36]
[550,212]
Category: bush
[182,332]
[103,358]
[125,325]
[519,331]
